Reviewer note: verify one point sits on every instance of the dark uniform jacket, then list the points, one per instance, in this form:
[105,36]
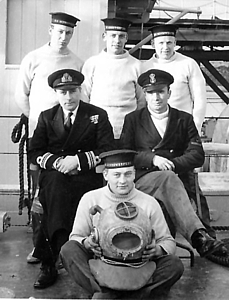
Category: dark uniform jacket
[181,143]
[91,133]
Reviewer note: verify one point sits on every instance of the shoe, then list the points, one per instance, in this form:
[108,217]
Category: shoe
[221,251]
[47,276]
[204,244]
[31,259]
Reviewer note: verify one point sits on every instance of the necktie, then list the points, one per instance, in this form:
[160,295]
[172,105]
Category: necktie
[68,123]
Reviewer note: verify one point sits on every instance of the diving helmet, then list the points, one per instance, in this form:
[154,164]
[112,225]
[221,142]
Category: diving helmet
[123,231]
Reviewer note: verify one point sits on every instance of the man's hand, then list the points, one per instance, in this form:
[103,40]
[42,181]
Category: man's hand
[67,164]
[163,163]
[152,251]
[91,245]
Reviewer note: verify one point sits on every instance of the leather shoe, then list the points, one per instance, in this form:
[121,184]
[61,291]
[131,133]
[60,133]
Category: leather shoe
[47,276]
[204,244]
[221,251]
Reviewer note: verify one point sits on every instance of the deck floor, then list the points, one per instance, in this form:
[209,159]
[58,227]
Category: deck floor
[204,281]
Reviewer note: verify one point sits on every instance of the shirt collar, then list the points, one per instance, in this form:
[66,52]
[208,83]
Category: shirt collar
[159,116]
[74,112]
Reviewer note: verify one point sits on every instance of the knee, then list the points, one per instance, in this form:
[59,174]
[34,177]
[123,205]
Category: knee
[177,266]
[170,175]
[68,248]
[171,179]
[172,266]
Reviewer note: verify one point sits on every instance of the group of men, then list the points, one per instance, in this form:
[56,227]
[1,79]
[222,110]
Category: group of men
[77,122]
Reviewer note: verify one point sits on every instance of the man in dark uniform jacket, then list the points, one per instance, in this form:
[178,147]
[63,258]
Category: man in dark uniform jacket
[66,145]
[168,145]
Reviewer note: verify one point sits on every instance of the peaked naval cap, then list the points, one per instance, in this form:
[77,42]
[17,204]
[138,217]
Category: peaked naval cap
[154,79]
[65,79]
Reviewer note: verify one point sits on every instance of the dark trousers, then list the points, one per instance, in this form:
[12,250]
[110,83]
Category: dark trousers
[59,195]
[75,260]
[46,249]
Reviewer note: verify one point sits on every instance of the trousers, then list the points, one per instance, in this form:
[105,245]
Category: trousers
[75,257]
[169,189]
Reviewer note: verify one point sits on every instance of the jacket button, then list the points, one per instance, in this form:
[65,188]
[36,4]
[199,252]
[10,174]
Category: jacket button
[79,150]
[153,150]
[171,151]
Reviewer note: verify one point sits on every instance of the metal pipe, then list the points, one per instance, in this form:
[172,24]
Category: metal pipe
[194,11]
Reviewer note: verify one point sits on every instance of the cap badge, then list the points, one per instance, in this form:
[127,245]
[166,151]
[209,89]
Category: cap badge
[152,78]
[66,78]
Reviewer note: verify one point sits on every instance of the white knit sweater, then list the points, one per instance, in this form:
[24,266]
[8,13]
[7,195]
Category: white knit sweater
[111,83]
[84,222]
[33,93]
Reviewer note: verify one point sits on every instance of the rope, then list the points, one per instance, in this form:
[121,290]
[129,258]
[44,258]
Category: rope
[16,137]
[122,263]
[220,260]
[221,228]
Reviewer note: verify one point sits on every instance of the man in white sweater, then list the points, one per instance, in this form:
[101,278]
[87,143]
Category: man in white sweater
[121,255]
[33,95]
[189,88]
[111,76]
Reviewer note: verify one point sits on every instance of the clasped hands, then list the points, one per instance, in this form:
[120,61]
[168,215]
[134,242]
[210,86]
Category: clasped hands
[163,163]
[68,165]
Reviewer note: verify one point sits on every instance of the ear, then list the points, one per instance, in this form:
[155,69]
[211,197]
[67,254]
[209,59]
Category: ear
[104,35]
[105,172]
[50,30]
[169,91]
[152,42]
[127,37]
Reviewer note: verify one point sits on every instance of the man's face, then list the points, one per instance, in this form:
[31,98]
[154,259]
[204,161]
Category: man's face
[69,99]
[60,36]
[157,100]
[120,180]
[164,46]
[115,41]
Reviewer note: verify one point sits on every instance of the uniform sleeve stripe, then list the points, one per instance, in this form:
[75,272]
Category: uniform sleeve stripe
[91,159]
[42,160]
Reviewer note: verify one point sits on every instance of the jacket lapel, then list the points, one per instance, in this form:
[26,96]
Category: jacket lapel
[171,128]
[148,125]
[82,121]
[58,123]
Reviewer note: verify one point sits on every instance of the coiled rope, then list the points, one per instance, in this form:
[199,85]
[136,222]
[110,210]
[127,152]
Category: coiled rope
[220,260]
[17,137]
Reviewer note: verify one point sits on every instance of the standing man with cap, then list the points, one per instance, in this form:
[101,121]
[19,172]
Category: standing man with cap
[66,145]
[33,94]
[111,76]
[169,148]
[111,263]
[189,87]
